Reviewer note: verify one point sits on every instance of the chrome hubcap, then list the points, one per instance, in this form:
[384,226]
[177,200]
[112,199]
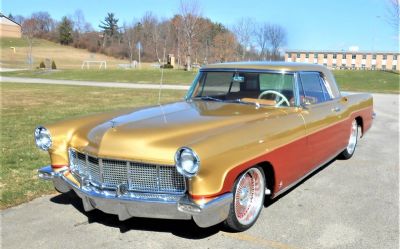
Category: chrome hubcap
[353,137]
[248,196]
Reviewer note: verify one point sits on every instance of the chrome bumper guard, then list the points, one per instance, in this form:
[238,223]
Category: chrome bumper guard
[180,207]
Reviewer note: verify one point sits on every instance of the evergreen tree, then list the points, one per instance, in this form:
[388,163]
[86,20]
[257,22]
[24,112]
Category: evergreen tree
[110,25]
[65,29]
[11,17]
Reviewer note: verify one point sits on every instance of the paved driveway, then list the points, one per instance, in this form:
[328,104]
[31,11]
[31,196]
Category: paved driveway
[91,83]
[346,204]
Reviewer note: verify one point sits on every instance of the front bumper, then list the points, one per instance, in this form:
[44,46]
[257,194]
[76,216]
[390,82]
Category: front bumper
[141,204]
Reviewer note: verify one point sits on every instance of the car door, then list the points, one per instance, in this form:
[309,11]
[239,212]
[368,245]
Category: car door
[323,119]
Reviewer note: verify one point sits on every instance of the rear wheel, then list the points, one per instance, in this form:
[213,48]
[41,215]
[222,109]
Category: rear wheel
[248,199]
[353,139]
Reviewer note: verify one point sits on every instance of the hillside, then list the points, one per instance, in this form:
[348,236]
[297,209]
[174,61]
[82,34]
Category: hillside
[65,57]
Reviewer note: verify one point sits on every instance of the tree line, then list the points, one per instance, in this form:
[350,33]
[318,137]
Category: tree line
[192,38]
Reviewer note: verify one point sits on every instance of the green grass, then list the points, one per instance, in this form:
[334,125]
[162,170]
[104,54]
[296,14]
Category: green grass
[24,106]
[368,81]
[7,42]
[170,76]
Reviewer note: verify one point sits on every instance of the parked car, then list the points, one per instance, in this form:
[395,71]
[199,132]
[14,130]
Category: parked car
[243,133]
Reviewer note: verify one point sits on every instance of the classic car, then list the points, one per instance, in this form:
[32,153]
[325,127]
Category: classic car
[244,133]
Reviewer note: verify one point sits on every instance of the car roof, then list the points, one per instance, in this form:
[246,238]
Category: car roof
[279,66]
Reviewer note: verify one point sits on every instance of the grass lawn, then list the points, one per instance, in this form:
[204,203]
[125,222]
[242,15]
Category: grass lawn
[170,76]
[24,106]
[368,81]
[363,81]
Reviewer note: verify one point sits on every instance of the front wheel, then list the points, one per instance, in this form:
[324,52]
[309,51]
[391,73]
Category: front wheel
[248,199]
[353,139]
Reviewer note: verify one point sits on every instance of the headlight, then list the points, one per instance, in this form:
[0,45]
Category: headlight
[42,138]
[187,162]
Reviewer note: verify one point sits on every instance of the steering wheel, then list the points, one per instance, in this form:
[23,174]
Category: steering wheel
[283,98]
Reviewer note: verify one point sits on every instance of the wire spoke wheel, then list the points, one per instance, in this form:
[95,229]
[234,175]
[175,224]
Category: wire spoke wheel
[353,137]
[249,196]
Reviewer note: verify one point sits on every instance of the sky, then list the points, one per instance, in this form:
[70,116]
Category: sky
[310,24]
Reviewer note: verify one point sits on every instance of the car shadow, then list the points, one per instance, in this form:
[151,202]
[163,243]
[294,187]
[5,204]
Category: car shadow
[181,228]
[268,202]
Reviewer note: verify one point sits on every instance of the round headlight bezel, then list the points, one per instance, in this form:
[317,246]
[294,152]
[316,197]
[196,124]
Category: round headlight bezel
[42,134]
[180,165]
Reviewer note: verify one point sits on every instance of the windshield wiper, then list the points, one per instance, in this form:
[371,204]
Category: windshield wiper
[245,102]
[208,98]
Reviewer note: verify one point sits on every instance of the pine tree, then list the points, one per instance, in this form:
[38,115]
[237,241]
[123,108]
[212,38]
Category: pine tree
[65,29]
[110,25]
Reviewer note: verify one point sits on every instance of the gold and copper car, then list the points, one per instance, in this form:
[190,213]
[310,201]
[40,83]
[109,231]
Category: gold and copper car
[244,132]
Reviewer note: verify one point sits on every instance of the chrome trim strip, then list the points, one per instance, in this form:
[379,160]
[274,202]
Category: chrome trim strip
[246,70]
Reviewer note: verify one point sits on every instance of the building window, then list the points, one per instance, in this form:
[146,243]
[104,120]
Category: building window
[315,55]
[363,66]
[394,68]
[384,57]
[307,55]
[325,64]
[325,56]
[334,65]
[395,57]
[288,55]
[298,55]
[344,56]
[364,56]
[374,56]
[353,56]
[353,66]
[334,56]
[383,67]
[373,67]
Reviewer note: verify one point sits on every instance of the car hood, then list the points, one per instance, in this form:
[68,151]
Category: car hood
[155,133]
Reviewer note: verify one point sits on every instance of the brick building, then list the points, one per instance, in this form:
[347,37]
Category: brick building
[365,60]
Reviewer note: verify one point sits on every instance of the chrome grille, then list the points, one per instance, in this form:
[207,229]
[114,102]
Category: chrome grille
[140,177]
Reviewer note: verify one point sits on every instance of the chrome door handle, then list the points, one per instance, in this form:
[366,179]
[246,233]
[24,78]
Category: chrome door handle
[336,109]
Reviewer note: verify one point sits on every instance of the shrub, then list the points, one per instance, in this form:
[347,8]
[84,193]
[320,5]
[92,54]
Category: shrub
[167,66]
[42,65]
[53,65]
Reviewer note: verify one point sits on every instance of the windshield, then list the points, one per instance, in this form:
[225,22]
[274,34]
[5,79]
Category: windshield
[263,88]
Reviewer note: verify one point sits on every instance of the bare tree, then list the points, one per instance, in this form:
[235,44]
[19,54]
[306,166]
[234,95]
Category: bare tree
[44,22]
[393,14]
[243,30]
[79,21]
[224,47]
[131,34]
[261,38]
[30,30]
[190,13]
[277,38]
[19,19]
[151,32]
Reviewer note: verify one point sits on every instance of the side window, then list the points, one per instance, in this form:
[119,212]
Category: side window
[314,90]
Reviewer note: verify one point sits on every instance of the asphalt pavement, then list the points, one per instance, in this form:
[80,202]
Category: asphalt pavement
[92,83]
[347,204]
